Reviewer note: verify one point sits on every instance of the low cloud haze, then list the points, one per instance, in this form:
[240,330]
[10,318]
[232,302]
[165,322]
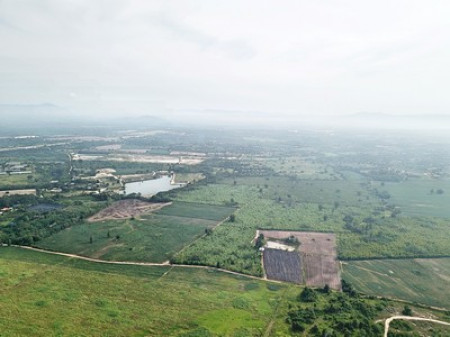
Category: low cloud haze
[254,62]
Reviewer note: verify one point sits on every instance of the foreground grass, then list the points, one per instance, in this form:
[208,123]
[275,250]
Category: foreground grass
[424,281]
[45,295]
[48,295]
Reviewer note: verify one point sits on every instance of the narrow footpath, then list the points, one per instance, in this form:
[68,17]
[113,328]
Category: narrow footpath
[165,263]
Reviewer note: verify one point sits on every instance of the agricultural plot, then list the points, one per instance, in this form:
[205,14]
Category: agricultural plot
[196,210]
[125,209]
[282,265]
[318,256]
[424,281]
[150,238]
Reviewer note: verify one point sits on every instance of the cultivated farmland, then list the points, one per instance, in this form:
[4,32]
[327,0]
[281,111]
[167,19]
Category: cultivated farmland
[318,256]
[282,265]
[153,237]
[417,280]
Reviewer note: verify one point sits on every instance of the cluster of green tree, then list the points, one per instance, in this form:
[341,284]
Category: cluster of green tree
[325,313]
[54,172]
[36,155]
[28,223]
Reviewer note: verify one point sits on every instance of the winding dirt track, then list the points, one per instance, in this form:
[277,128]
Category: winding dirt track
[166,263]
[410,318]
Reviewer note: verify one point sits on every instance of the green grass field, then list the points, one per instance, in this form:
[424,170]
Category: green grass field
[424,281]
[152,238]
[196,210]
[420,197]
[46,295]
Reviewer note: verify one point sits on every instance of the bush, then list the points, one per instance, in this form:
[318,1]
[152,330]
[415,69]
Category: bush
[307,295]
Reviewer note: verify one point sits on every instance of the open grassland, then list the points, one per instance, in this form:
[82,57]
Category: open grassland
[44,295]
[421,197]
[417,280]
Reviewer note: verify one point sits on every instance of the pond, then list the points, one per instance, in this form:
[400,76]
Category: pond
[151,187]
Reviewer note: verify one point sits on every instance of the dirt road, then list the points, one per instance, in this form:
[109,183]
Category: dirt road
[166,263]
[410,318]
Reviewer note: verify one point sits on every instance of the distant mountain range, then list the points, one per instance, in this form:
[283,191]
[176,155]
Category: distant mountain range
[51,115]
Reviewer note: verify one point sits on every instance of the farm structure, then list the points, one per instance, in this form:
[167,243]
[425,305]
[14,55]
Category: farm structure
[316,265]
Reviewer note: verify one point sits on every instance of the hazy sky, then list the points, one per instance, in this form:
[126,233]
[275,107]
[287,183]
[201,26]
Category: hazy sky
[266,58]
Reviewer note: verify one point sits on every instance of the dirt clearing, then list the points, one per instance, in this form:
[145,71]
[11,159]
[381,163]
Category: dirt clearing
[125,209]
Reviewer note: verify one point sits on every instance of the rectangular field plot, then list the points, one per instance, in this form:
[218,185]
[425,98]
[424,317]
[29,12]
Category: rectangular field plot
[317,253]
[152,238]
[423,281]
[282,265]
[196,210]
[321,270]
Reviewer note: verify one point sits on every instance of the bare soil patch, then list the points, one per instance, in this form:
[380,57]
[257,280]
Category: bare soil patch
[318,256]
[125,209]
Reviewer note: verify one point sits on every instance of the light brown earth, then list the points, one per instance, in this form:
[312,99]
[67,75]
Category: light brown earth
[125,209]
